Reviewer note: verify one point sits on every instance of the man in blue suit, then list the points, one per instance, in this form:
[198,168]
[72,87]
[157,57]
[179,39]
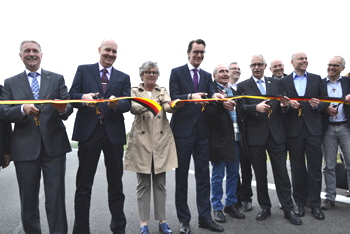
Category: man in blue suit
[192,136]
[100,127]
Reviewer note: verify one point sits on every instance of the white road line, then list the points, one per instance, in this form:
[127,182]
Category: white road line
[339,198]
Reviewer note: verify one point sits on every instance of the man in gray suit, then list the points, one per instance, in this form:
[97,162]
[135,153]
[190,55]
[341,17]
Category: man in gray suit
[39,141]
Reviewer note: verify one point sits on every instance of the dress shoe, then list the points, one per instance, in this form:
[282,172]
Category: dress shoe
[144,230]
[164,228]
[292,217]
[299,210]
[184,228]
[247,206]
[211,225]
[327,204]
[219,216]
[263,213]
[318,214]
[231,210]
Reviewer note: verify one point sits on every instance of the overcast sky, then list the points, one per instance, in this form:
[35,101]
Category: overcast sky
[159,30]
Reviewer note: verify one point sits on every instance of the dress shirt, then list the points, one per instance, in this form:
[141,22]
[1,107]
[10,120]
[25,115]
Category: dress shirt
[300,83]
[30,80]
[109,69]
[335,90]
[263,83]
[192,72]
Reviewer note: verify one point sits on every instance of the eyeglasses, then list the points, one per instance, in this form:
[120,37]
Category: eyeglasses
[196,52]
[257,64]
[235,68]
[151,72]
[334,65]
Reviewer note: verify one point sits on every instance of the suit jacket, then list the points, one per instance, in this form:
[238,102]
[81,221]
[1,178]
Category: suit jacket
[87,80]
[311,117]
[222,135]
[5,136]
[258,125]
[27,137]
[185,118]
[345,85]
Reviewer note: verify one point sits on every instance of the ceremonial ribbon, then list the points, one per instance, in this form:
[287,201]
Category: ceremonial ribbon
[151,105]
[264,97]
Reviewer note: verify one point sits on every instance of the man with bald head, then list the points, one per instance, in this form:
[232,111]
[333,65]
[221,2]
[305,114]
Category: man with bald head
[234,75]
[277,69]
[100,127]
[304,134]
[264,132]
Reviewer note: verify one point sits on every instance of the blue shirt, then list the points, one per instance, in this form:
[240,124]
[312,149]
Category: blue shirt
[300,83]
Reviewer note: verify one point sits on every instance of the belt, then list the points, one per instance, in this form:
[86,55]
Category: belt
[338,123]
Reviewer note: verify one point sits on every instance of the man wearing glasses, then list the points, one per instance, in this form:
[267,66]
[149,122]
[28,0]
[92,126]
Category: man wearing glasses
[304,134]
[265,132]
[191,135]
[234,74]
[336,123]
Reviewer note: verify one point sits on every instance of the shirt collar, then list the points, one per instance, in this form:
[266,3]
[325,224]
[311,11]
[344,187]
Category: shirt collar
[190,66]
[109,69]
[328,80]
[38,71]
[296,75]
[256,79]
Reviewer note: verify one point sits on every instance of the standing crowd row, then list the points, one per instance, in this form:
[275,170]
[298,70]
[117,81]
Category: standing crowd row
[231,134]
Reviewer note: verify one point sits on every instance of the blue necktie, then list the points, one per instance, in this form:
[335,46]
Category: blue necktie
[35,84]
[261,87]
[195,79]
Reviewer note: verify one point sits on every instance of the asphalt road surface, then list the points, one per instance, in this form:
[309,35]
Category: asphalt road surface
[337,219]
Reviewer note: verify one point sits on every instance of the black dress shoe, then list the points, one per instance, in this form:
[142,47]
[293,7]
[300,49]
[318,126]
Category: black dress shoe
[184,228]
[292,217]
[247,206]
[219,216]
[318,214]
[299,210]
[211,225]
[263,213]
[233,212]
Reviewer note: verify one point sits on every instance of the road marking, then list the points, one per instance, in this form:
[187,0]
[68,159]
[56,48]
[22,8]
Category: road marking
[339,198]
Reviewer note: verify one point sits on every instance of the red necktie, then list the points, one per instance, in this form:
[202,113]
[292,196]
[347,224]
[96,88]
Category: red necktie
[104,79]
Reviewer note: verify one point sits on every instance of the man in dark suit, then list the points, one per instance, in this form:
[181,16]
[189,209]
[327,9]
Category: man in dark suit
[336,128]
[304,134]
[192,136]
[277,69]
[264,131]
[39,140]
[5,140]
[100,127]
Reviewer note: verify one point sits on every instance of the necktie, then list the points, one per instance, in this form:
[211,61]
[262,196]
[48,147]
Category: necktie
[195,79]
[35,84]
[261,87]
[104,79]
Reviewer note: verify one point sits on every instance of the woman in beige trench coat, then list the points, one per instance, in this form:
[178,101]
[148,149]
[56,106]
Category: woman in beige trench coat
[151,148]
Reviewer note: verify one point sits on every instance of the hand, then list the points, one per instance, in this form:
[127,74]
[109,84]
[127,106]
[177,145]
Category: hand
[114,103]
[294,104]
[179,104]
[263,107]
[332,110]
[199,96]
[229,105]
[30,109]
[89,96]
[60,107]
[7,160]
[347,99]
[285,101]
[314,102]
[218,95]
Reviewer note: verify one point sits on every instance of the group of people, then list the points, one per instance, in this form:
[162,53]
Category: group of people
[230,134]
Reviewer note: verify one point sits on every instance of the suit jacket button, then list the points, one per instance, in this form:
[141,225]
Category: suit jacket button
[161,132]
[143,132]
[159,117]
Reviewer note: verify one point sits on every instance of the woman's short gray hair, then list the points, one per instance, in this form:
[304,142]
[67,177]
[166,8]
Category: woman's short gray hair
[146,66]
